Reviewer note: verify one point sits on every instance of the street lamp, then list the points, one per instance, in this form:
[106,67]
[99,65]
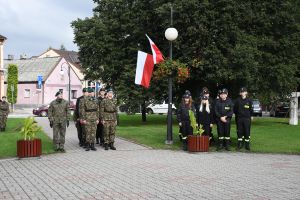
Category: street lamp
[62,73]
[171,34]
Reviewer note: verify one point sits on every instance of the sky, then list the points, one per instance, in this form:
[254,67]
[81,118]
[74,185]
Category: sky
[32,26]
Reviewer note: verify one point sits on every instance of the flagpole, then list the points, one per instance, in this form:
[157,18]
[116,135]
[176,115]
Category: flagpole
[170,36]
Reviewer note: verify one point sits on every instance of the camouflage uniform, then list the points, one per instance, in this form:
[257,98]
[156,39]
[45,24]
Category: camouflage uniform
[59,115]
[89,112]
[4,110]
[108,114]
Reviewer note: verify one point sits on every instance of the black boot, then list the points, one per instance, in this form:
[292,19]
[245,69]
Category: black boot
[112,147]
[184,145]
[240,145]
[227,145]
[220,145]
[106,146]
[97,140]
[88,147]
[93,147]
[247,146]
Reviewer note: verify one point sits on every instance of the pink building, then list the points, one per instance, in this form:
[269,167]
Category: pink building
[54,72]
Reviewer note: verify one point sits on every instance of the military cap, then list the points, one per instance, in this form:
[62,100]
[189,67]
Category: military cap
[186,96]
[243,89]
[188,92]
[84,89]
[224,91]
[205,92]
[110,90]
[90,90]
[58,93]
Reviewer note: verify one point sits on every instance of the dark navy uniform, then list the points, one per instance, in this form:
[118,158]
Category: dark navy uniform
[100,134]
[205,117]
[223,108]
[243,113]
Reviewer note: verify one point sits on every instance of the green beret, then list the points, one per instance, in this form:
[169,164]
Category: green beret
[102,89]
[58,93]
[90,90]
[84,89]
[110,90]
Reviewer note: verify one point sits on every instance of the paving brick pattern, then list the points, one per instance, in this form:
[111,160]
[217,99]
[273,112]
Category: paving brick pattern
[136,172]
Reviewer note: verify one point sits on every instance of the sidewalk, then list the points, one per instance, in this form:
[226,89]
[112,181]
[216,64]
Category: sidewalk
[137,172]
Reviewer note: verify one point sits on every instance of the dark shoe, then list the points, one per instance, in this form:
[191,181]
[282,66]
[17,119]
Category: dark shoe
[88,147]
[106,146]
[112,146]
[57,149]
[240,145]
[93,147]
[220,145]
[101,144]
[227,145]
[62,150]
[247,146]
[97,140]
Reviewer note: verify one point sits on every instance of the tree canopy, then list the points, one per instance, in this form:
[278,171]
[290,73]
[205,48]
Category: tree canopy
[225,43]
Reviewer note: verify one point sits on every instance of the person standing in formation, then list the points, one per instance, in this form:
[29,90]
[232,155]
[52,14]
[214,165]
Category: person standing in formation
[4,110]
[100,132]
[80,131]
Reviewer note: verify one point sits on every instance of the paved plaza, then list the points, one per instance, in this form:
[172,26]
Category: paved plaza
[137,172]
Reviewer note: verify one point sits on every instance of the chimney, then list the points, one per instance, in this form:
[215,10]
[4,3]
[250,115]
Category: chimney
[10,57]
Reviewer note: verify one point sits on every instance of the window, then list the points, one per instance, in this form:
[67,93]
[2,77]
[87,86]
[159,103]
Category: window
[74,94]
[27,93]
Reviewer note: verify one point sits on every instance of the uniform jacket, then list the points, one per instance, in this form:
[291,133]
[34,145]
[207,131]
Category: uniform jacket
[76,112]
[89,109]
[108,110]
[183,112]
[4,108]
[243,108]
[223,108]
[100,99]
[58,111]
[205,117]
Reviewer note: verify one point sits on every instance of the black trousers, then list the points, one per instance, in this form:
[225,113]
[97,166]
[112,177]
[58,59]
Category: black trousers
[186,129]
[243,125]
[224,129]
[207,129]
[100,133]
[80,132]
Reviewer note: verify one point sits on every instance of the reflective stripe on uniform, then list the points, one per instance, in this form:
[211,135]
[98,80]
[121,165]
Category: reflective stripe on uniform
[247,140]
[184,138]
[240,139]
[221,138]
[227,138]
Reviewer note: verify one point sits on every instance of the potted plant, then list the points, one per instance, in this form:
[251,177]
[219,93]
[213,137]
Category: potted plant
[29,146]
[197,142]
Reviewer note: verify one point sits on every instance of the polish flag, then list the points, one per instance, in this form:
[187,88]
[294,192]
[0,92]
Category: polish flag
[144,68]
[157,55]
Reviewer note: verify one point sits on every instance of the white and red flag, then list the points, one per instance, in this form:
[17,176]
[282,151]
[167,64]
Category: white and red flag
[144,68]
[157,55]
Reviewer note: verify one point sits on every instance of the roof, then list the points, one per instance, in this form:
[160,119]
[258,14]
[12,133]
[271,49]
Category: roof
[31,68]
[2,37]
[70,56]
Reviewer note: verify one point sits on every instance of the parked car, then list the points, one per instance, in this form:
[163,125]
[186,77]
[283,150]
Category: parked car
[160,108]
[282,109]
[256,109]
[42,111]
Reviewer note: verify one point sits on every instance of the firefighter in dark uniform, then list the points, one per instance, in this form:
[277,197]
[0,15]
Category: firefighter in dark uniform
[183,118]
[223,111]
[80,131]
[243,112]
[100,133]
[205,116]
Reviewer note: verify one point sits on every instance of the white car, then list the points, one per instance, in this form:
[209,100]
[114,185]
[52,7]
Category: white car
[160,108]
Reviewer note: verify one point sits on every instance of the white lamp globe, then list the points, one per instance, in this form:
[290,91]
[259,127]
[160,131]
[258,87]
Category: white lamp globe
[171,34]
[61,72]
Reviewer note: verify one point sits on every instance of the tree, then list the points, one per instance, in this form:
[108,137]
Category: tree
[226,43]
[12,83]
[62,47]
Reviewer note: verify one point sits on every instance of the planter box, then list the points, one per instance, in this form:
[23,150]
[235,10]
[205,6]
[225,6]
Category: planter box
[29,148]
[197,143]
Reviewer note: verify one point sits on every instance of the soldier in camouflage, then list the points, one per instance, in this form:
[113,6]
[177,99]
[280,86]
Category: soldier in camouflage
[59,116]
[4,110]
[108,115]
[100,135]
[89,118]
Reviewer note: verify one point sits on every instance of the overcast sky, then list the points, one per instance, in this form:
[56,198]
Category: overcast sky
[31,26]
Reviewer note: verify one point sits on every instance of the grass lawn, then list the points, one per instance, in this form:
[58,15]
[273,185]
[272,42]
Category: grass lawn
[8,139]
[268,135]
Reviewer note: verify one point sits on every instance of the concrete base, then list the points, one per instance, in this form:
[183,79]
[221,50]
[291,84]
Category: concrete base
[294,109]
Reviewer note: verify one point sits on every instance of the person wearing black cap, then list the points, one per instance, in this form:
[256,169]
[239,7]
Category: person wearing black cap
[243,113]
[108,115]
[89,118]
[183,118]
[223,111]
[4,110]
[80,131]
[59,116]
[205,116]
[100,135]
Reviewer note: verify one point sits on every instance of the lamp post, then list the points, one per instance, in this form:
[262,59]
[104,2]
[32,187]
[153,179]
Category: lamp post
[171,35]
[69,85]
